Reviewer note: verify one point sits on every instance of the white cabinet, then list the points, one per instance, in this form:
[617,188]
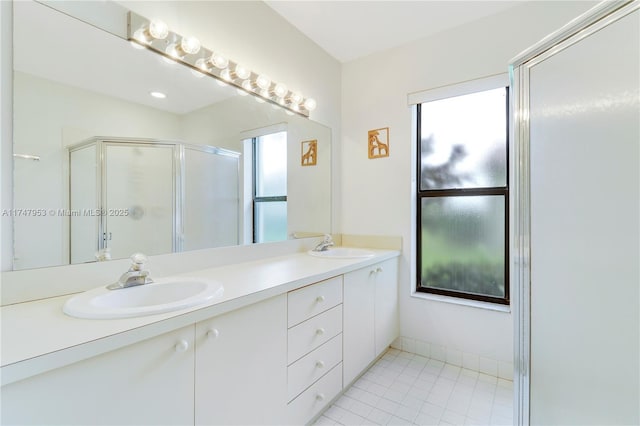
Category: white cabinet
[358,327]
[241,366]
[370,315]
[278,361]
[386,324]
[147,383]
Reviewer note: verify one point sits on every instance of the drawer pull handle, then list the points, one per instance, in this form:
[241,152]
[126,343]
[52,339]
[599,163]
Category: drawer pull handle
[320,299]
[320,397]
[182,346]
[320,364]
[213,333]
[320,331]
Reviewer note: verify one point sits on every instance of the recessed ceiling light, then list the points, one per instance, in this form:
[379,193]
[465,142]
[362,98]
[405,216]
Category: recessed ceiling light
[158,95]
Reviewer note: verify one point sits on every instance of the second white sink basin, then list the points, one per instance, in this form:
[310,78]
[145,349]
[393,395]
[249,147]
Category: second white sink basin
[164,295]
[342,253]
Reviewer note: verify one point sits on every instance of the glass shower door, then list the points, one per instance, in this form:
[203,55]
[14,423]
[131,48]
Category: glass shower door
[138,199]
[211,199]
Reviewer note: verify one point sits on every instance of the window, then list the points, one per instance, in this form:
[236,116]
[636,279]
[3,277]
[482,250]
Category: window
[270,187]
[462,196]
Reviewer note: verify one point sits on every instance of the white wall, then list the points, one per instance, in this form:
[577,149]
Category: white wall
[377,195]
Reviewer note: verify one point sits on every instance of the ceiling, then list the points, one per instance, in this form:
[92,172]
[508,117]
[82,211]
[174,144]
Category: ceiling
[348,30]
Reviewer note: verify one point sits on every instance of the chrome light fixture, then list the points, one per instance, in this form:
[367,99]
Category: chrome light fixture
[157,37]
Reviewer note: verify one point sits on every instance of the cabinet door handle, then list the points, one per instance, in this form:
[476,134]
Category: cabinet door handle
[320,299]
[213,333]
[182,346]
[379,269]
[320,331]
[320,397]
[319,364]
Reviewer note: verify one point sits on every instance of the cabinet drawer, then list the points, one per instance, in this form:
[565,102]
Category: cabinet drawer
[309,301]
[305,337]
[302,409]
[304,372]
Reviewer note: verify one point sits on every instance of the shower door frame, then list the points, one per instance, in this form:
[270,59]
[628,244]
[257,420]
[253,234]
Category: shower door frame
[178,187]
[592,21]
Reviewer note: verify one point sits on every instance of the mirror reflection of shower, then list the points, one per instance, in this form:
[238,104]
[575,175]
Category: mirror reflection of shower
[152,196]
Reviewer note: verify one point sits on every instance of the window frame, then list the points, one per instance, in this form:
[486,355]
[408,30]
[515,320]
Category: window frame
[461,192]
[255,199]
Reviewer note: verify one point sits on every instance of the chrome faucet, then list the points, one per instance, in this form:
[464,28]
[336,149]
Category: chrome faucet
[325,244]
[136,275]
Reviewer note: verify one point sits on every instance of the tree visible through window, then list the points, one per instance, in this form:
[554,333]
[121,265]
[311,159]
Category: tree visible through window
[462,195]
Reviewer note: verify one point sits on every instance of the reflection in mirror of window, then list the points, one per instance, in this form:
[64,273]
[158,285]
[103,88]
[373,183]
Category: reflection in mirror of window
[270,187]
[462,208]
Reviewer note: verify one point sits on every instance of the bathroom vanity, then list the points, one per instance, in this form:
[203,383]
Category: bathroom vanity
[289,333]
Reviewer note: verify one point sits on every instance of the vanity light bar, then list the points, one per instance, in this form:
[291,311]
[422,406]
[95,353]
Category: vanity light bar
[156,36]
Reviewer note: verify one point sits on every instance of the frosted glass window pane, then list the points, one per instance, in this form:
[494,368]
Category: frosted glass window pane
[271,165]
[270,221]
[463,141]
[463,244]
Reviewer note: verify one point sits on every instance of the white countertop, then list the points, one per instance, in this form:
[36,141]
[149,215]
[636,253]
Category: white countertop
[37,336]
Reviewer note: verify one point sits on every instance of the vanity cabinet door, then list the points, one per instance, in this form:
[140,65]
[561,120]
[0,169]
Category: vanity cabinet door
[147,383]
[386,325]
[370,315]
[358,322]
[241,366]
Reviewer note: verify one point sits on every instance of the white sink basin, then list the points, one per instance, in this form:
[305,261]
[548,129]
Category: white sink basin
[342,253]
[164,295]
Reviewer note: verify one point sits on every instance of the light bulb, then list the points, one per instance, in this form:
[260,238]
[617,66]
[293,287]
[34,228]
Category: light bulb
[190,45]
[219,61]
[158,30]
[310,104]
[295,107]
[202,64]
[246,85]
[242,72]
[280,90]
[296,98]
[141,36]
[172,51]
[225,74]
[282,101]
[263,81]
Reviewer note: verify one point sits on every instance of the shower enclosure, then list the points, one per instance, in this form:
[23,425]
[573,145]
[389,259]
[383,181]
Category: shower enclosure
[151,196]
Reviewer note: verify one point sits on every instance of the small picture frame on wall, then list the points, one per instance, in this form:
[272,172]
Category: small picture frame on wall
[379,143]
[309,153]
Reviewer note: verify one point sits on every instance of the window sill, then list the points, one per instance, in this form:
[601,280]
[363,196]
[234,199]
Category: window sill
[463,302]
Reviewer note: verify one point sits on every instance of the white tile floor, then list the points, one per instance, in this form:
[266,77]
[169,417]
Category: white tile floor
[402,388]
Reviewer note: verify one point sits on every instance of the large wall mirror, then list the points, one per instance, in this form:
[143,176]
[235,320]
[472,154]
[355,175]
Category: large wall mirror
[103,168]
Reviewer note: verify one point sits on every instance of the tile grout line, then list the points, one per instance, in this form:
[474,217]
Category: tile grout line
[394,377]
